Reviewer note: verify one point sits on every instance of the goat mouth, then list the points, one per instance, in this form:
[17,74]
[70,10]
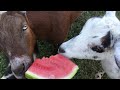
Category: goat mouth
[23,69]
[66,56]
[19,71]
[20,75]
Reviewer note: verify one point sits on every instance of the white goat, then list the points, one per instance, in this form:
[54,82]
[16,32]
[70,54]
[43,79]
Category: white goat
[98,40]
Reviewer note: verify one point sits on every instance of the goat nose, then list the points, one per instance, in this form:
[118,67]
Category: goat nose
[61,50]
[19,70]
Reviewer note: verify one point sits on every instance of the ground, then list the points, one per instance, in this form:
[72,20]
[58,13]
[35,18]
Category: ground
[87,68]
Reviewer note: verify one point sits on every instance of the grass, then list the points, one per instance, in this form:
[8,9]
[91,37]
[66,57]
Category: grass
[3,64]
[87,68]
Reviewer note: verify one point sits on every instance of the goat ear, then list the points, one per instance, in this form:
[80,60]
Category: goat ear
[117,52]
[105,43]
[1,12]
[23,12]
[106,40]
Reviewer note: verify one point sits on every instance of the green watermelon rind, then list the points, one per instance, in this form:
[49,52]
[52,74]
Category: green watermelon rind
[30,75]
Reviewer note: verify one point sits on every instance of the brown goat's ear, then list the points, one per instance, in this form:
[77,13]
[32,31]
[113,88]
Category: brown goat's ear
[14,12]
[1,12]
[23,12]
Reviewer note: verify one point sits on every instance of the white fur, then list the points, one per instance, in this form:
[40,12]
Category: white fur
[19,60]
[23,11]
[110,13]
[5,77]
[34,56]
[9,53]
[79,47]
[1,12]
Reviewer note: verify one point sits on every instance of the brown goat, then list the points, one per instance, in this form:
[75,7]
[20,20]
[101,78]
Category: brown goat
[19,32]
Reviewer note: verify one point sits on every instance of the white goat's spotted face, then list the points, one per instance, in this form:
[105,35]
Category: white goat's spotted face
[98,40]
[93,42]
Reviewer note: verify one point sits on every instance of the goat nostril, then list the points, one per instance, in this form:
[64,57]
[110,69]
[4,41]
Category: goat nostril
[61,50]
[20,70]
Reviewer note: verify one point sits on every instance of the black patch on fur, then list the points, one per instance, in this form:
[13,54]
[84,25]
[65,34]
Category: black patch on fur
[95,57]
[105,43]
[94,36]
[111,37]
[98,49]
[106,40]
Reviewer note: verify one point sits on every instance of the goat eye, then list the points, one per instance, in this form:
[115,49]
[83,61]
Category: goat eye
[25,27]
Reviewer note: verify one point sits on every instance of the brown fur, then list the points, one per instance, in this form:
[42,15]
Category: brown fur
[19,45]
[52,26]
[12,38]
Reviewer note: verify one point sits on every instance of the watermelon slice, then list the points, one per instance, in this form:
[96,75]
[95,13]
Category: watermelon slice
[54,67]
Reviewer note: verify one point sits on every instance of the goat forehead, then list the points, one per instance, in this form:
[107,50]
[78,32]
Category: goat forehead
[11,24]
[12,17]
[22,58]
[12,36]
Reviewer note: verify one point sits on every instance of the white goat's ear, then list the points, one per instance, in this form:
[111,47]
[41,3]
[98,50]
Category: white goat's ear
[110,13]
[117,52]
[1,12]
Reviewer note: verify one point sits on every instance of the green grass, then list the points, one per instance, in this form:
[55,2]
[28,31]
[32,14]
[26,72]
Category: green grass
[3,64]
[87,68]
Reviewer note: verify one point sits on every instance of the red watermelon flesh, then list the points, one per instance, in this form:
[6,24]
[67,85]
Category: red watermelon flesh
[54,67]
